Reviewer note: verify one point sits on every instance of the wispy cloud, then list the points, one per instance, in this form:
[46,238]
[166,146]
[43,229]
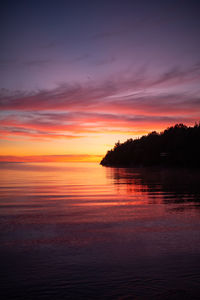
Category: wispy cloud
[177,75]
[105,61]
[37,62]
[80,58]
[122,103]
[49,45]
[8,62]
[109,34]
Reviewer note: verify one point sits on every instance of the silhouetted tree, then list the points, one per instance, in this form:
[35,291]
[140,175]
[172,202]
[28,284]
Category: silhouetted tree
[177,145]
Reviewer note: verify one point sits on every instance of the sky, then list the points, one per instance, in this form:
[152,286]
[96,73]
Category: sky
[78,76]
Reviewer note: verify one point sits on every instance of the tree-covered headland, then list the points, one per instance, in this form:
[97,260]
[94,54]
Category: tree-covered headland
[178,145]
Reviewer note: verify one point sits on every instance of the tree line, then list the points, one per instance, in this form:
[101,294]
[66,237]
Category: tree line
[177,145]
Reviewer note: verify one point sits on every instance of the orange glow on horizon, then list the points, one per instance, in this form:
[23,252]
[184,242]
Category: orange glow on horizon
[51,158]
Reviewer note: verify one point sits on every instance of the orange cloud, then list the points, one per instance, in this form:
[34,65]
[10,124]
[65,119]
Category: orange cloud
[114,108]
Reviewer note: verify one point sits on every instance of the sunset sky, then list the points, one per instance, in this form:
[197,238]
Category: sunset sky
[77,76]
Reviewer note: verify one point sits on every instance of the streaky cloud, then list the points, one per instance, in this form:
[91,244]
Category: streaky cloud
[75,110]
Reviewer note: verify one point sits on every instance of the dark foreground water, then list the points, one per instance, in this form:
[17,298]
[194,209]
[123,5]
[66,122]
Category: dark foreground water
[82,231]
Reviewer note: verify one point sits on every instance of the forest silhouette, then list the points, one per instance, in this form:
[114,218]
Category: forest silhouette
[178,145]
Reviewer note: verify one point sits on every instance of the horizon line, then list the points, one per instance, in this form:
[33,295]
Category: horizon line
[51,158]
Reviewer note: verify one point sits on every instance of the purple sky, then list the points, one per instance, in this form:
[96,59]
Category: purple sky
[97,67]
[45,43]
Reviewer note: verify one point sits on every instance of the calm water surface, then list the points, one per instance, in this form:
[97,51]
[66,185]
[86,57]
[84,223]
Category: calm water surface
[82,231]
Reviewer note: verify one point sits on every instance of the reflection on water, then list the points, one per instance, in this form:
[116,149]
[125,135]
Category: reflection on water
[74,231]
[173,185]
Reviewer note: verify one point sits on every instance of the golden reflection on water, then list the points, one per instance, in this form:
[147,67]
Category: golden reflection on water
[86,192]
[82,226]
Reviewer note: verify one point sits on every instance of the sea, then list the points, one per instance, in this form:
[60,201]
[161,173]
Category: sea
[83,231]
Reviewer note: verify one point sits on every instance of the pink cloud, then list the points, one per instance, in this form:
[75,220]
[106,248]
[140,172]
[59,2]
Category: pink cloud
[73,111]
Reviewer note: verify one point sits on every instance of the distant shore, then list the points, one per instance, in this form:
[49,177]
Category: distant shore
[176,146]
